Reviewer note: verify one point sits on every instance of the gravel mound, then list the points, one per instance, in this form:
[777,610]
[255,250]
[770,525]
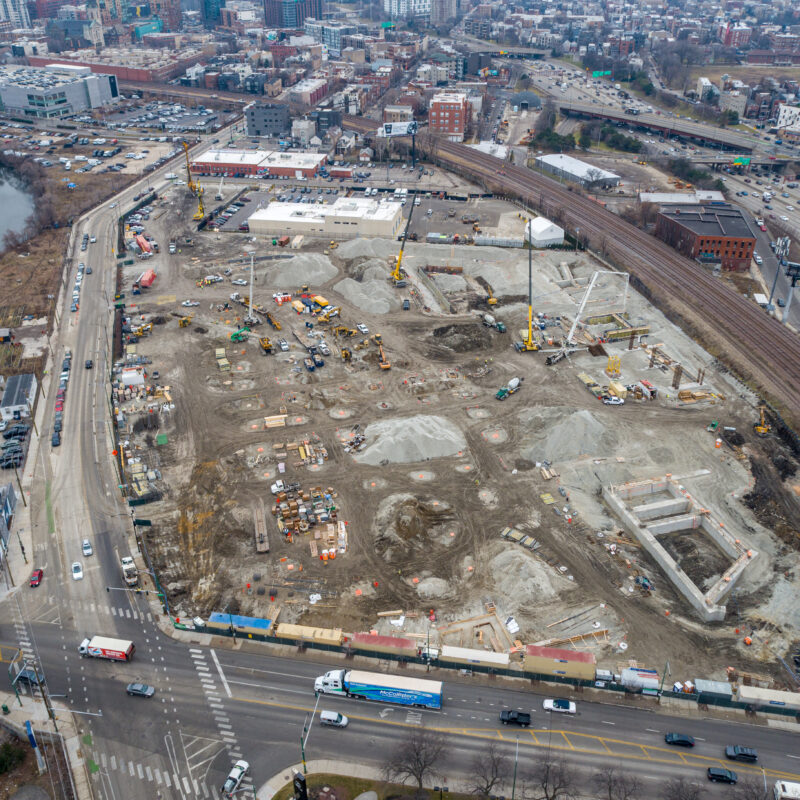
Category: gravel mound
[515,573]
[375,296]
[368,248]
[412,439]
[559,437]
[311,268]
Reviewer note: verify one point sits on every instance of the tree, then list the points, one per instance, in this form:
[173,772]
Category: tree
[415,757]
[750,788]
[593,175]
[551,779]
[585,139]
[681,789]
[489,771]
[614,784]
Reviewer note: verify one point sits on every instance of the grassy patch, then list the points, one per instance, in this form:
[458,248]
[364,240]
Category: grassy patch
[748,73]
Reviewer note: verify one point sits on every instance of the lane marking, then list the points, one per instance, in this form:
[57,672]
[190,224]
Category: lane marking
[606,722]
[221,673]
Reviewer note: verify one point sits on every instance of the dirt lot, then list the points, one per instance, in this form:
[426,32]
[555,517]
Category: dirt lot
[444,467]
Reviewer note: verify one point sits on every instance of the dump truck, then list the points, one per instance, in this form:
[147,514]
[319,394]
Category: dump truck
[512,386]
[103,647]
[129,572]
[386,688]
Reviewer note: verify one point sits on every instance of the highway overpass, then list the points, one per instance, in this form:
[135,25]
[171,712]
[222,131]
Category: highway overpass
[670,126]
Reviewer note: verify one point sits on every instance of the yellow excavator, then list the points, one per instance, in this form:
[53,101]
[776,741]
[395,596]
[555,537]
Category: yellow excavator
[397,274]
[346,354]
[383,362]
[490,298]
[194,188]
[762,427]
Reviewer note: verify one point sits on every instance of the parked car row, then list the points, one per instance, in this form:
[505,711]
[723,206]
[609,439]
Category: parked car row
[13,449]
[61,398]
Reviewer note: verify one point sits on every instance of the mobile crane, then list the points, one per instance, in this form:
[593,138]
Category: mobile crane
[397,274]
[194,188]
[528,345]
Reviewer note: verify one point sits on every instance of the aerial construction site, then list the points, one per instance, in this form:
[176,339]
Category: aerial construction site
[416,439]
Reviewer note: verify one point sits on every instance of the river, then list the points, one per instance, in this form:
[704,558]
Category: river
[18,204]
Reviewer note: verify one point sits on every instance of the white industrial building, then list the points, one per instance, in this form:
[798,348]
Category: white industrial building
[578,171]
[543,233]
[698,197]
[347,218]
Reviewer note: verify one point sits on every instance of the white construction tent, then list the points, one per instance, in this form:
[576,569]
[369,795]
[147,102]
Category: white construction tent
[543,233]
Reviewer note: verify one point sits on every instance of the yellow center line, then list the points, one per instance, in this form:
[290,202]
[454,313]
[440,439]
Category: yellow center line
[552,742]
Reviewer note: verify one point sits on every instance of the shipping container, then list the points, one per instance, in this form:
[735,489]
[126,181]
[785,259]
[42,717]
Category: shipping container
[767,698]
[466,655]
[555,661]
[396,645]
[297,633]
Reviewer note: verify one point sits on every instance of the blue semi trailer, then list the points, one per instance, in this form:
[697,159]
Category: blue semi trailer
[384,688]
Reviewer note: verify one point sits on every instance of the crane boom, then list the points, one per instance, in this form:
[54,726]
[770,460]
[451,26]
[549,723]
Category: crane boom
[189,180]
[396,276]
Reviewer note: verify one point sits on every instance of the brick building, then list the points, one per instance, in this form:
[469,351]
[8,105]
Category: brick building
[714,234]
[449,113]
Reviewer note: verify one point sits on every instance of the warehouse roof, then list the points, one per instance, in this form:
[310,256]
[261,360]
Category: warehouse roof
[683,198]
[344,207]
[580,169]
[18,391]
[262,158]
[716,220]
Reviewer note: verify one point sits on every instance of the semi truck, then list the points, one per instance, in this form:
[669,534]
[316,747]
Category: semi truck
[129,571]
[103,647]
[385,688]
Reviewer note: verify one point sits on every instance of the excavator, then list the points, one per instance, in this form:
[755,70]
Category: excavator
[383,362]
[329,313]
[491,300]
[762,427]
[272,321]
[397,274]
[240,335]
[194,188]
[346,354]
[343,330]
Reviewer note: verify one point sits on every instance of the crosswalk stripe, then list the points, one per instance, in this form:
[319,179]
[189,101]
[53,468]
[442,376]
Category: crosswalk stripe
[196,786]
[159,780]
[149,773]
[114,611]
[194,650]
[113,762]
[122,763]
[140,771]
[167,780]
[103,761]
[130,768]
[186,786]
[128,613]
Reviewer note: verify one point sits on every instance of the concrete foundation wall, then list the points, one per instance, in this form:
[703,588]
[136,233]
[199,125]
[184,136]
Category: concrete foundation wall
[661,508]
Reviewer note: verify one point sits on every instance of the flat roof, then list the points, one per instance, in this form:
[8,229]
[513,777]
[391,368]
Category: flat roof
[580,169]
[18,390]
[353,208]
[717,220]
[49,77]
[687,198]
[261,158]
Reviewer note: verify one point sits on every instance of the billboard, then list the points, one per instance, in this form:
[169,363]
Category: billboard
[389,129]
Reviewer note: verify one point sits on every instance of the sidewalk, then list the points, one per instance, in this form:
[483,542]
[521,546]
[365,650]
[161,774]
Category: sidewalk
[34,710]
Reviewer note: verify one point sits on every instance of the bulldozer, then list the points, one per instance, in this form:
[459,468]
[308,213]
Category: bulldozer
[762,427]
[185,322]
[240,335]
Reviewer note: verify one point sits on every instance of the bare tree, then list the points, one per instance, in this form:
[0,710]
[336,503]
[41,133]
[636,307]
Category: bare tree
[614,784]
[551,779]
[681,789]
[415,757]
[750,788]
[593,175]
[489,771]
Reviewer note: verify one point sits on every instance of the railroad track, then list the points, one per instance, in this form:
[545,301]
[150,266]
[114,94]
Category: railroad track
[759,349]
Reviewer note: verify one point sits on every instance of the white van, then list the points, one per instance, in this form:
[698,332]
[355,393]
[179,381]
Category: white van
[333,718]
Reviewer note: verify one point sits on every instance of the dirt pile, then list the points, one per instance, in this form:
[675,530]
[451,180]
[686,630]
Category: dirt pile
[522,579]
[406,441]
[310,268]
[773,506]
[558,436]
[376,295]
[464,338]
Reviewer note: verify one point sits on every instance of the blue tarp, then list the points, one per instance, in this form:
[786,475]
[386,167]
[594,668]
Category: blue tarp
[240,622]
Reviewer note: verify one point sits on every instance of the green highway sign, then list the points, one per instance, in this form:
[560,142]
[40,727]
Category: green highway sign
[601,73]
